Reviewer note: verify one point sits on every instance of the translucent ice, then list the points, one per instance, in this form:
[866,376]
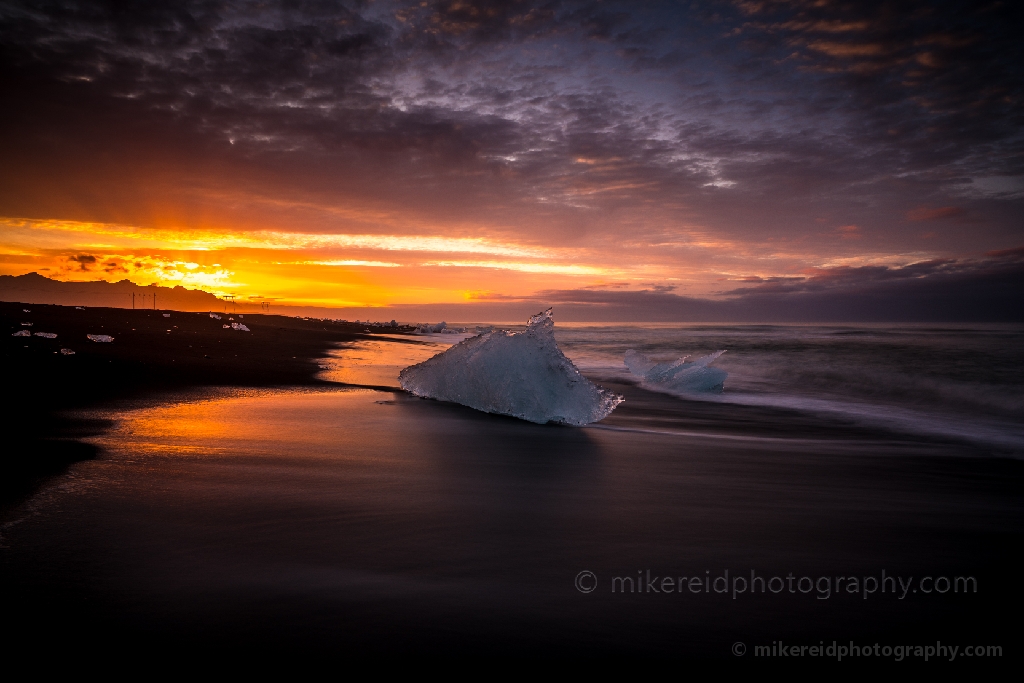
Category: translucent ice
[681,376]
[521,374]
[440,328]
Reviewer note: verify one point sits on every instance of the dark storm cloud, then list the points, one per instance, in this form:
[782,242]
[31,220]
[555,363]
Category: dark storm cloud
[751,118]
[945,290]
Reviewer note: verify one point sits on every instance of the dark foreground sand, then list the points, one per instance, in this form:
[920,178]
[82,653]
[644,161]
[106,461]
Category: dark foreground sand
[250,526]
[275,525]
[150,354]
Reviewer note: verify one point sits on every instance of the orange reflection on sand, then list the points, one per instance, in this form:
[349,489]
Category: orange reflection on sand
[263,427]
[377,363]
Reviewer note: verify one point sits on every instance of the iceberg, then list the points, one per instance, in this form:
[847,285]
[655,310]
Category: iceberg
[521,374]
[681,376]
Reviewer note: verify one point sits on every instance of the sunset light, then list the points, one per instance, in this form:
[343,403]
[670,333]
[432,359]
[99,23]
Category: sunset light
[506,330]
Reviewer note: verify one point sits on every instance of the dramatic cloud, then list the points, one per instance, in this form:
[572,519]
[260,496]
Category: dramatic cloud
[664,143]
[986,289]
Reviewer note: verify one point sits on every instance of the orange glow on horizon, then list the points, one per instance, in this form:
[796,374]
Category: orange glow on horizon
[336,269]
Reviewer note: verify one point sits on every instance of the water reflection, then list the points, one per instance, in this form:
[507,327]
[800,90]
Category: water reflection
[377,363]
[373,521]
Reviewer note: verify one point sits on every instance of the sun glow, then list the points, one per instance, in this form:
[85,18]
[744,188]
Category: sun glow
[324,269]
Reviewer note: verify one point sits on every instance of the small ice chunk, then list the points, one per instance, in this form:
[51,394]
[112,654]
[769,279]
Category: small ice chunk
[77,308]
[46,335]
[240,327]
[522,374]
[26,324]
[22,333]
[67,352]
[214,316]
[226,327]
[106,338]
[432,329]
[167,315]
[25,310]
[681,376]
[241,316]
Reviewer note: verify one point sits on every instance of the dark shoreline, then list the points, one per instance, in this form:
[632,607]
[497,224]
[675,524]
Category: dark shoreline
[150,355]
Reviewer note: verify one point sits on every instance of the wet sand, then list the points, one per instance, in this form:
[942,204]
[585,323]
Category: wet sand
[354,522]
[318,520]
[150,354]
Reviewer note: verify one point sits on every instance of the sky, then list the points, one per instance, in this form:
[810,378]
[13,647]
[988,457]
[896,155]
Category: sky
[654,160]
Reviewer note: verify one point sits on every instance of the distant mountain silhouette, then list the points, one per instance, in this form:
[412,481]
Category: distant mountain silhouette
[34,288]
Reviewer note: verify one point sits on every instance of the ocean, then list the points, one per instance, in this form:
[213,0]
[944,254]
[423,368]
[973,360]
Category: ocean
[848,484]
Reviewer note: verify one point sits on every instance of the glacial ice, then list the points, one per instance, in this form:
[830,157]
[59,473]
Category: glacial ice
[681,376]
[439,328]
[521,374]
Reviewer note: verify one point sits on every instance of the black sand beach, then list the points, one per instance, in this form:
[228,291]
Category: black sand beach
[315,519]
[150,354]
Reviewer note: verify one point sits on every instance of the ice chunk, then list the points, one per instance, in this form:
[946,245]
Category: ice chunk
[22,333]
[77,308]
[26,324]
[522,374]
[167,315]
[100,337]
[432,329]
[25,310]
[240,327]
[681,376]
[67,352]
[214,316]
[46,335]
[226,327]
